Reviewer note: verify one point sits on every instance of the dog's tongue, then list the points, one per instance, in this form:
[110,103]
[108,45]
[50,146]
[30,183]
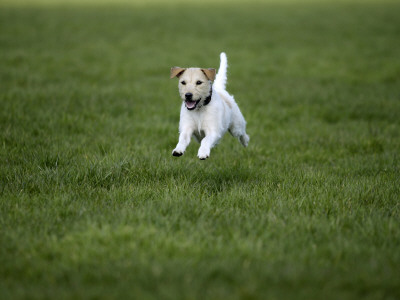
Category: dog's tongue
[190,104]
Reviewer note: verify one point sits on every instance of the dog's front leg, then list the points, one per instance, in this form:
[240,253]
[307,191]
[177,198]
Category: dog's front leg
[184,140]
[207,143]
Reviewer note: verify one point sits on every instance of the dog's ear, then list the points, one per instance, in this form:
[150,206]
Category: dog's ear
[210,73]
[177,71]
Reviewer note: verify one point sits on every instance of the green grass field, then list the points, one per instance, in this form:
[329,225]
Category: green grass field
[93,205]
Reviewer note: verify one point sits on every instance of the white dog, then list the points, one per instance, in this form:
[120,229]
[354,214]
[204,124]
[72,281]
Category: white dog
[208,110]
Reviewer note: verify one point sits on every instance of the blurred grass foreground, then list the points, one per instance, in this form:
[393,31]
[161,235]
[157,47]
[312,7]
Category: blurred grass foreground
[93,205]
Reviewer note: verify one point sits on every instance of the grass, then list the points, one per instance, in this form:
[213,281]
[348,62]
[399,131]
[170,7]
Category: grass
[93,205]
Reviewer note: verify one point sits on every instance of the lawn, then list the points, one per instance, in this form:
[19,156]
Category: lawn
[93,204]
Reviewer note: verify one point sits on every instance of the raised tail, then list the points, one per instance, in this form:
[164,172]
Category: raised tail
[220,78]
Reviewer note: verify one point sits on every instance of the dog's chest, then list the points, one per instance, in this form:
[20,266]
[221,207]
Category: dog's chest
[199,121]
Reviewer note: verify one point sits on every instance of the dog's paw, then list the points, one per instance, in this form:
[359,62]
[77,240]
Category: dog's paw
[244,139]
[177,153]
[203,154]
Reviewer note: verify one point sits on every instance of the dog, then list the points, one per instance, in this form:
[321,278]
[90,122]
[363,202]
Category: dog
[208,111]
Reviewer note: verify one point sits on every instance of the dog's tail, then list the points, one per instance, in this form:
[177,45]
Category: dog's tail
[220,78]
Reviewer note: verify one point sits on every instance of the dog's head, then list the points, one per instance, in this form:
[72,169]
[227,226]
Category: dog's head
[194,85]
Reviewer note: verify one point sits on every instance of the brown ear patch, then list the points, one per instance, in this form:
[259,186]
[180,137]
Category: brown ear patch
[210,73]
[177,71]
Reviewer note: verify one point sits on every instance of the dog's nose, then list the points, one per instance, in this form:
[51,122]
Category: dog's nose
[188,96]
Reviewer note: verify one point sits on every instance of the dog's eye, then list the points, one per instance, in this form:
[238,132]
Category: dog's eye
[199,82]
[183,82]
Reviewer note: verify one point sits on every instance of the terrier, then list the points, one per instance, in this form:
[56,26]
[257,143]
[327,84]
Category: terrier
[208,111]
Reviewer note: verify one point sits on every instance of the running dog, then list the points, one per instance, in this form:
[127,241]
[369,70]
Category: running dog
[208,111]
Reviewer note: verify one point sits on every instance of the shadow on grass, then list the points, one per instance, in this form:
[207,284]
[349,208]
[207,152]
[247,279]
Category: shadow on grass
[212,178]
[159,174]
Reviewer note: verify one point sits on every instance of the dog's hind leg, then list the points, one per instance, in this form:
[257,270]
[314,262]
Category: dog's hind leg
[244,139]
[241,135]
[238,126]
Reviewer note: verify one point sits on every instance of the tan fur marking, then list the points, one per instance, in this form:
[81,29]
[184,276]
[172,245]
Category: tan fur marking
[175,71]
[210,73]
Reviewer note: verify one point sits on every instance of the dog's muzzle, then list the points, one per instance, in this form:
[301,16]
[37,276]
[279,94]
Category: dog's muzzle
[189,102]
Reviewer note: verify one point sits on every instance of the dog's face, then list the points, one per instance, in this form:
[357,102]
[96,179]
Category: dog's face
[194,85]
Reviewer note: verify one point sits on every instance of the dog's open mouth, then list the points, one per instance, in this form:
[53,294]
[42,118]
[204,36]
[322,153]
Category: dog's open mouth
[191,104]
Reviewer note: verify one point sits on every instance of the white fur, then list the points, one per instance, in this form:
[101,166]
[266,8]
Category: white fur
[208,123]
[220,79]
